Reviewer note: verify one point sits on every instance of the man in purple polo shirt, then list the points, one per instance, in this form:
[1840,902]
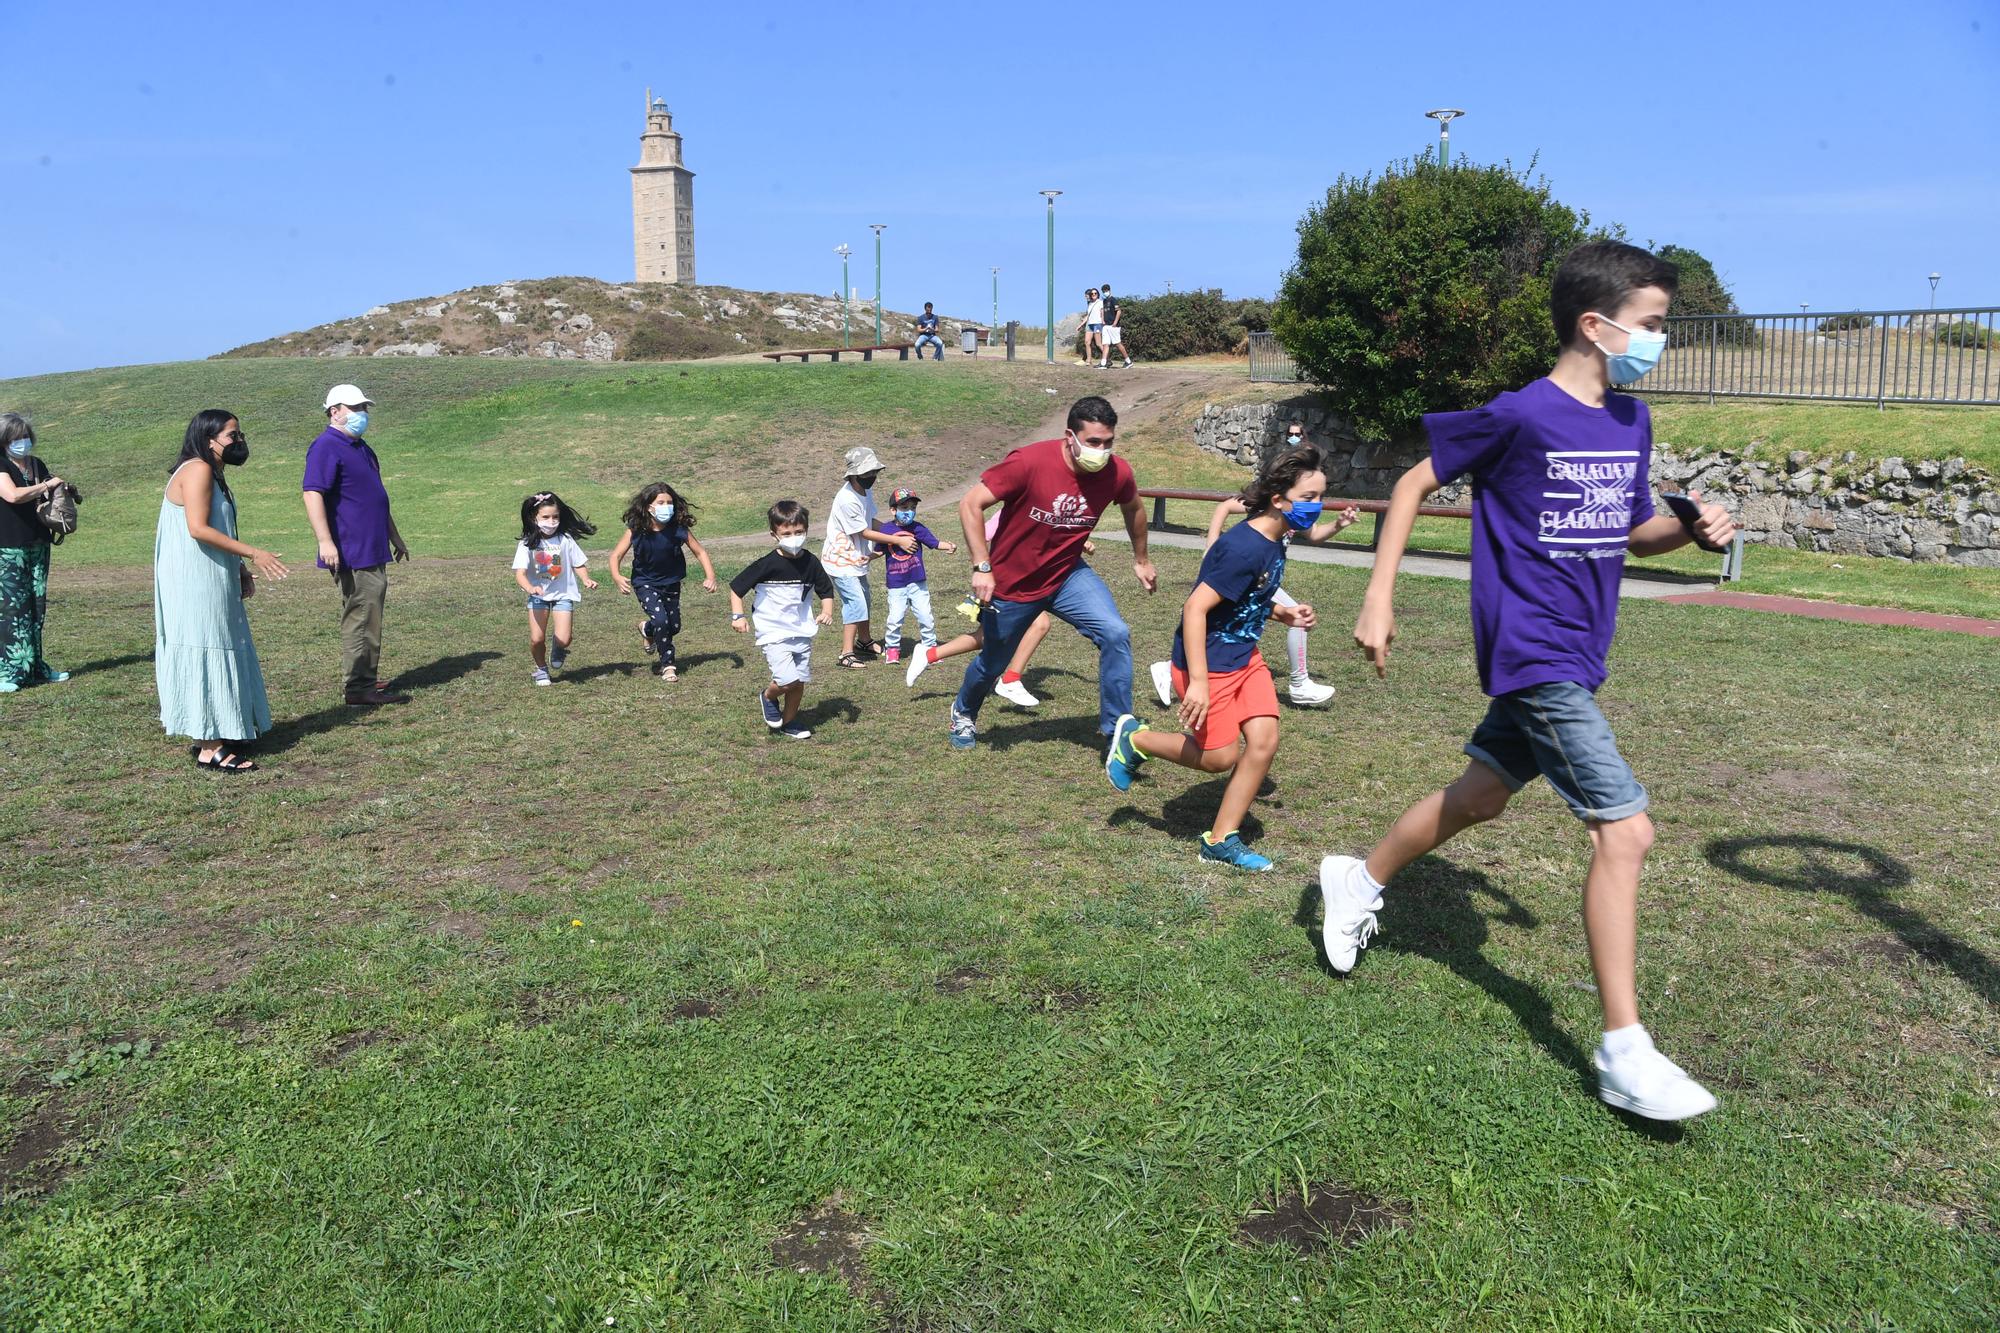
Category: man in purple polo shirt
[349,510]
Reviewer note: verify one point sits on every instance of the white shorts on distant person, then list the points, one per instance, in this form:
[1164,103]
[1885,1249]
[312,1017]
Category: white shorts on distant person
[1113,335]
[790,660]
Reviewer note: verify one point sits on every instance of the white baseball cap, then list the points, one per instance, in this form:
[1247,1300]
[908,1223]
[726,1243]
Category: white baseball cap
[347,395]
[861,461]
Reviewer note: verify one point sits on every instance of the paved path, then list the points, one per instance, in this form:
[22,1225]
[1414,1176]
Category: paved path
[1858,615]
[1431,566]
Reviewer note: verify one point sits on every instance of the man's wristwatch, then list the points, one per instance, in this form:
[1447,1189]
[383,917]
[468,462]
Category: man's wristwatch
[983,567]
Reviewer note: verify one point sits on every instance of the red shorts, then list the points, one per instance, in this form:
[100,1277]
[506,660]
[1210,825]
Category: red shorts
[1234,697]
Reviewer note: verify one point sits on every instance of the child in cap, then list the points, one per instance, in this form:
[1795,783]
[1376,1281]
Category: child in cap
[909,589]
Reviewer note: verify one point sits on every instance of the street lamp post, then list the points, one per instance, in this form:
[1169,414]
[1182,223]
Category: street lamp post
[1934,282]
[1050,195]
[877,228]
[996,306]
[1444,116]
[846,292]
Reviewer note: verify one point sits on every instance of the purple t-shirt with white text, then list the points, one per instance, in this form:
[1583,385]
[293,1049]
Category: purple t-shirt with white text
[1557,487]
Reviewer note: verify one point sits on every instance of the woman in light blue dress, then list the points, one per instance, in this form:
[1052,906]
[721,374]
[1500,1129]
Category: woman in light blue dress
[204,663]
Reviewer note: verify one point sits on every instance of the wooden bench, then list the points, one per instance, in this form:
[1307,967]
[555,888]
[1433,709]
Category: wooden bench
[1374,507]
[902,351]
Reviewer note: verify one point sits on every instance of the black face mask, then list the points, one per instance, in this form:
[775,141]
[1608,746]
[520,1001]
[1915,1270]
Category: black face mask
[236,453]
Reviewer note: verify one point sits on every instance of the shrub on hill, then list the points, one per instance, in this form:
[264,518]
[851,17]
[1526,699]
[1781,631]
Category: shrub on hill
[1845,323]
[1196,323]
[1967,333]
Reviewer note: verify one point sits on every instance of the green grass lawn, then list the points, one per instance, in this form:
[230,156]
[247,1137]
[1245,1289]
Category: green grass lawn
[463,440]
[520,1008]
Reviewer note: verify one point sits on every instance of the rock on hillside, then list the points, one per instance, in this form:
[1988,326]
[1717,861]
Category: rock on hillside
[590,320]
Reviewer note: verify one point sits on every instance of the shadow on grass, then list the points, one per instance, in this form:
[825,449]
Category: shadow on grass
[290,732]
[1189,814]
[1080,731]
[826,710]
[692,660]
[1433,912]
[111,663]
[597,669]
[1866,876]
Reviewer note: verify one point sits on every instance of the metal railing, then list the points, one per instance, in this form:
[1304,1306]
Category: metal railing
[1945,357]
[1270,363]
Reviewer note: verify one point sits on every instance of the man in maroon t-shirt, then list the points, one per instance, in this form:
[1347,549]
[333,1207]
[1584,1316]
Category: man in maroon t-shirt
[1053,492]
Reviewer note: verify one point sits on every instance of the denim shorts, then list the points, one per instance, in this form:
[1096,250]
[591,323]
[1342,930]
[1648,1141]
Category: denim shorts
[853,593]
[544,604]
[1555,731]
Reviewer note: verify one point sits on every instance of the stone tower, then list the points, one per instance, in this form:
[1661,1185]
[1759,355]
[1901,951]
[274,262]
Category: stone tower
[662,202]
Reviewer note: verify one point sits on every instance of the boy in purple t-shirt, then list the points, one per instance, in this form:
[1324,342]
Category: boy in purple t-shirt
[1560,493]
[909,588]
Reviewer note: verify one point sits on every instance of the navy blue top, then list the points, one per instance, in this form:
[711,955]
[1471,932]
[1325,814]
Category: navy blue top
[1244,567]
[659,557]
[927,322]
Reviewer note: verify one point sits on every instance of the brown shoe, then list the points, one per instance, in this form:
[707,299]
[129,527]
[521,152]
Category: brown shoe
[374,698]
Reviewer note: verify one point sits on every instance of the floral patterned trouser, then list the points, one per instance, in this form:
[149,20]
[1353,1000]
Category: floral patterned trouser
[24,604]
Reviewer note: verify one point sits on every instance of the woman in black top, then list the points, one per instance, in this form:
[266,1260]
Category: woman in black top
[24,557]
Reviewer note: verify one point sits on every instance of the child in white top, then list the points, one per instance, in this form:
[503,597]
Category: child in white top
[548,564]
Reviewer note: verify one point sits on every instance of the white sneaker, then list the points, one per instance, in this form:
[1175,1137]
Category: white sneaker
[1308,693]
[1163,683]
[1350,910]
[920,661]
[1646,1083]
[1014,692]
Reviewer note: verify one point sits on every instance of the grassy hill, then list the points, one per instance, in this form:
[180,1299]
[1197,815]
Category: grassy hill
[587,319]
[463,439]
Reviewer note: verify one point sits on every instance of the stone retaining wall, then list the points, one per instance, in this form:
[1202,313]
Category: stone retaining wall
[1922,510]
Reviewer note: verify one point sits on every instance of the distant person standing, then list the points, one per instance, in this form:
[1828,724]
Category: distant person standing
[1093,326]
[1114,332]
[24,557]
[927,332]
[349,510]
[851,542]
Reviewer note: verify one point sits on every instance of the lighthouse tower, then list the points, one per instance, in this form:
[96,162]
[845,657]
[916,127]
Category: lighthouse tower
[662,202]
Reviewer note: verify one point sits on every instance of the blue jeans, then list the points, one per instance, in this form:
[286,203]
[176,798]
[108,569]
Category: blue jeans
[854,604]
[913,599]
[1556,731]
[932,339]
[1084,603]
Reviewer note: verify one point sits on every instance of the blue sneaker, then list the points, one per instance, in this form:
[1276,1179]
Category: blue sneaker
[1231,852]
[774,716]
[963,734]
[1121,757]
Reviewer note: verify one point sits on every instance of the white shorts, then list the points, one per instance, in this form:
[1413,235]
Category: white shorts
[790,660]
[1113,335]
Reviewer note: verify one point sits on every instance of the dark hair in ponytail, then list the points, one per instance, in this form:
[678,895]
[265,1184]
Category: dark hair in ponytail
[1280,476]
[201,432]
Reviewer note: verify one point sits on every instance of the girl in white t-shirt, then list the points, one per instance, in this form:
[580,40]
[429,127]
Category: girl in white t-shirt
[548,564]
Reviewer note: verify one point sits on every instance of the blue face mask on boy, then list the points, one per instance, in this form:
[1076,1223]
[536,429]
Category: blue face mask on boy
[1304,513]
[906,515]
[1642,352]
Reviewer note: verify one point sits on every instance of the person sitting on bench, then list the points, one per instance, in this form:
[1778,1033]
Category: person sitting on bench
[927,332]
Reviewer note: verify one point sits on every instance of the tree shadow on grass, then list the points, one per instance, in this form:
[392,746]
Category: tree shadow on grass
[1867,877]
[1190,813]
[1433,912]
[284,735]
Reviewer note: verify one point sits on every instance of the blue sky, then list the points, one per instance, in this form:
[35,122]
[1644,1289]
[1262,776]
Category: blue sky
[180,183]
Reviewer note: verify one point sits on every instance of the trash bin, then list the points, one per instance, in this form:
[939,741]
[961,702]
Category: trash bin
[968,341]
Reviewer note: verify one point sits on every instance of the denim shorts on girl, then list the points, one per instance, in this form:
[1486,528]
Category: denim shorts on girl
[1556,731]
[546,604]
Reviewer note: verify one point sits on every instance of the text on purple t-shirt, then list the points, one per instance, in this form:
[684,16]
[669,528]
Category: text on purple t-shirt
[346,472]
[1557,487]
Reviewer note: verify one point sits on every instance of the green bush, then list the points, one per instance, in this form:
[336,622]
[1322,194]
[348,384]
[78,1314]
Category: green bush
[1703,292]
[1966,333]
[1844,323]
[1197,323]
[1425,289]
[663,338]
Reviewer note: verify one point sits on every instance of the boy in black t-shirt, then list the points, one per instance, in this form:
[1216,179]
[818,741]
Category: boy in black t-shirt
[1114,332]
[781,584]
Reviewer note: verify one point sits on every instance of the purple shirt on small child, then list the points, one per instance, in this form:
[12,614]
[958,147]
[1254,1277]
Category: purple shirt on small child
[346,472]
[904,569]
[1557,487]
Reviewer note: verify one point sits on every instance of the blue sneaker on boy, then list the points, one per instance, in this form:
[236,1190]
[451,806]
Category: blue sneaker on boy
[1231,851]
[1121,757]
[774,716]
[963,734]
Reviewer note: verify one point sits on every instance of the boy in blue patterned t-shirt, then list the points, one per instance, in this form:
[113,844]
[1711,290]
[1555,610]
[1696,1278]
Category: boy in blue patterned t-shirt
[1228,702]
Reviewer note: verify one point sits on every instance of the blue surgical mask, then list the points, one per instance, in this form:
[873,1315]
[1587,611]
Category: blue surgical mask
[1641,354]
[1304,513]
[356,423]
[906,515]
[661,513]
[21,448]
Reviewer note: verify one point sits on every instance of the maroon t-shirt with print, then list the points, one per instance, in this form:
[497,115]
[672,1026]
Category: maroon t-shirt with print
[1049,513]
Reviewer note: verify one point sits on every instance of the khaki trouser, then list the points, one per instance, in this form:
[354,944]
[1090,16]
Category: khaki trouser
[363,593]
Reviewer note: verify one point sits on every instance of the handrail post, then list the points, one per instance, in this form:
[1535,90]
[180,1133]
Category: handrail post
[1159,512]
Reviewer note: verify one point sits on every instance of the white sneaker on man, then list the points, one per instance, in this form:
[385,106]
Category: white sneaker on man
[1351,904]
[1014,692]
[1641,1080]
[1163,683]
[1309,693]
